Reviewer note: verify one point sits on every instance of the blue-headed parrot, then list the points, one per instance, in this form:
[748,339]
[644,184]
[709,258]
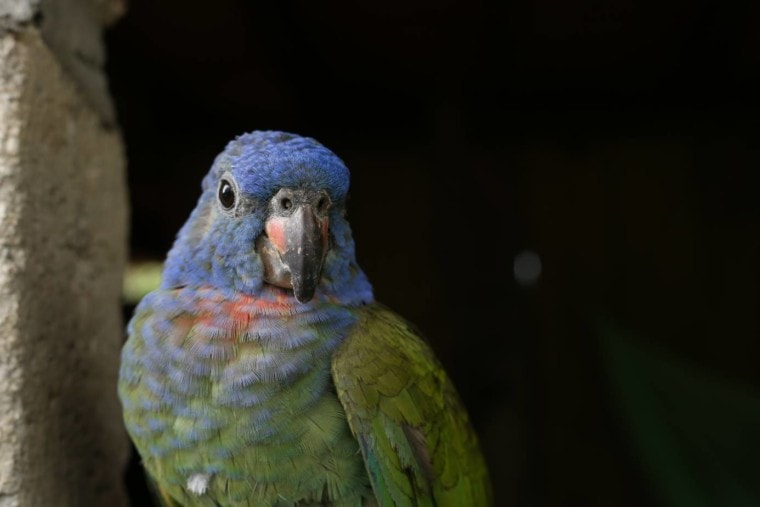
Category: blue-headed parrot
[262,372]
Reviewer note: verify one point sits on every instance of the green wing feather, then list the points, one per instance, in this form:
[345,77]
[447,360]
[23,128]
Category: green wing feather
[414,434]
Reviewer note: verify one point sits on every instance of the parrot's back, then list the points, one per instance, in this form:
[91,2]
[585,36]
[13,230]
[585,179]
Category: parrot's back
[230,401]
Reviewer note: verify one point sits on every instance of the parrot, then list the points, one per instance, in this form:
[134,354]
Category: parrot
[262,372]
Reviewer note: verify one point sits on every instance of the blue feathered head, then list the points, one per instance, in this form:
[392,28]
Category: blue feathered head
[264,186]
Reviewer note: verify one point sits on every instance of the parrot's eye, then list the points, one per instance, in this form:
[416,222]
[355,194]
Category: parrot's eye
[286,203]
[226,194]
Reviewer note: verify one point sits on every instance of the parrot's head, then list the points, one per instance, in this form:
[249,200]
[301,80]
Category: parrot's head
[271,215]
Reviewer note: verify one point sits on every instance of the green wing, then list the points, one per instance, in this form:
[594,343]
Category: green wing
[414,433]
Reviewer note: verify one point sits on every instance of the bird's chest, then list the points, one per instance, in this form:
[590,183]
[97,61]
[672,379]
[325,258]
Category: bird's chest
[227,404]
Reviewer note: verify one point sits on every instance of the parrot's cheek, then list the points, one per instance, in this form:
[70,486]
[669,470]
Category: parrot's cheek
[275,231]
[275,271]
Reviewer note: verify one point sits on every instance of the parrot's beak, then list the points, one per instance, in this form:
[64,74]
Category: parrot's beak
[293,250]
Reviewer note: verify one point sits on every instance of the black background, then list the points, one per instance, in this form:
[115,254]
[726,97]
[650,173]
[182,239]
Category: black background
[617,139]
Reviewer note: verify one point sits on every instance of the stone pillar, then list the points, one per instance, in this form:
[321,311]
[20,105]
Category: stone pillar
[62,252]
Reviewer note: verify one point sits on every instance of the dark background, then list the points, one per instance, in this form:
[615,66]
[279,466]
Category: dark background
[616,139]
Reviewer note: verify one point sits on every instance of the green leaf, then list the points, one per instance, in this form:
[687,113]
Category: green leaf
[696,434]
[140,279]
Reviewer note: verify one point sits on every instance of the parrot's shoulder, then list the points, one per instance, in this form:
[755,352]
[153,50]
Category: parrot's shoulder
[385,355]
[414,432]
[378,328]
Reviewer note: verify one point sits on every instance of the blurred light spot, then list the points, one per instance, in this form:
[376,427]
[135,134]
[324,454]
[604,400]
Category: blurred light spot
[527,268]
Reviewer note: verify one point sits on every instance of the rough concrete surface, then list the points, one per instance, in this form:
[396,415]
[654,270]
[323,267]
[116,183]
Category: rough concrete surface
[16,12]
[72,29]
[62,250]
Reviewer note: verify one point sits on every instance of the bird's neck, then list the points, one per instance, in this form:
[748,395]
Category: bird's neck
[254,347]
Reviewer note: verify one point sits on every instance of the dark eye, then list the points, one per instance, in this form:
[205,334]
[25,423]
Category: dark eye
[226,195]
[323,204]
[286,203]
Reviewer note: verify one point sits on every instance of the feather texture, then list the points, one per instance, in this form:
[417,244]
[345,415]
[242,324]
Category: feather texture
[413,431]
[239,390]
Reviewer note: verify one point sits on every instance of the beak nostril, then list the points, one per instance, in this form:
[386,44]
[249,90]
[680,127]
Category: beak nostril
[323,204]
